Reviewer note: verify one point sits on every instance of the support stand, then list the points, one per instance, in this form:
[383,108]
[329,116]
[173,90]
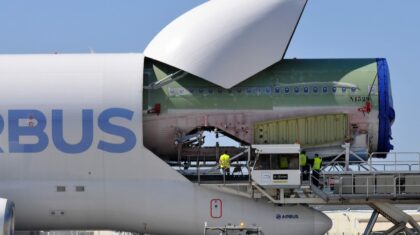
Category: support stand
[395,215]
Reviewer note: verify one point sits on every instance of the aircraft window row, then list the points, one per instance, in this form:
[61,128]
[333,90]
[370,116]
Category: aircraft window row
[180,91]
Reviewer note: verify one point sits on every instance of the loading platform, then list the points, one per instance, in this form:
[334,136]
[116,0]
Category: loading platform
[378,183]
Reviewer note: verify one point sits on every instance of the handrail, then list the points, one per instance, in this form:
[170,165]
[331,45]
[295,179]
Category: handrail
[402,161]
[393,185]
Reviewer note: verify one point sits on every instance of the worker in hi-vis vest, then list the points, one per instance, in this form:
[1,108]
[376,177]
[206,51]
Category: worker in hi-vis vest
[284,163]
[316,168]
[224,163]
[304,166]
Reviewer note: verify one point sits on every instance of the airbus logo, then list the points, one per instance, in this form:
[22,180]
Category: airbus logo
[287,216]
[32,123]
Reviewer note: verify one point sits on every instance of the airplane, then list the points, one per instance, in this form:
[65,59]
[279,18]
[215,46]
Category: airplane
[85,139]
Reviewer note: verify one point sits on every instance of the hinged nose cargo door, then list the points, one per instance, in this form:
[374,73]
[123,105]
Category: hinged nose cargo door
[232,39]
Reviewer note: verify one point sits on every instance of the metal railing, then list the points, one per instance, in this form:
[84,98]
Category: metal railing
[198,169]
[380,185]
[395,162]
[201,172]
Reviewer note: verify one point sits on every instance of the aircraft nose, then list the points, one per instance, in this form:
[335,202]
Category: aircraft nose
[322,223]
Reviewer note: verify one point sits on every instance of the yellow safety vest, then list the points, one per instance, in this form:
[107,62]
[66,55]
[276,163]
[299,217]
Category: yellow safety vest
[303,158]
[317,163]
[284,164]
[224,161]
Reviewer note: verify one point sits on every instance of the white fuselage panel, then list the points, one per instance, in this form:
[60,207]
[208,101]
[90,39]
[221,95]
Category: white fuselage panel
[72,155]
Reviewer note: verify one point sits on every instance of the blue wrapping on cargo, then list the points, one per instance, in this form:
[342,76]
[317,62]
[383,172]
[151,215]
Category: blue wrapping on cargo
[386,108]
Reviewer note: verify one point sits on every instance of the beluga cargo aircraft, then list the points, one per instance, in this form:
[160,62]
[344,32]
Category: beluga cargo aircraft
[96,141]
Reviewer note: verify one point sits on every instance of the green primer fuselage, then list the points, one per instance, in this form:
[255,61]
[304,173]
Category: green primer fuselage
[288,89]
[308,82]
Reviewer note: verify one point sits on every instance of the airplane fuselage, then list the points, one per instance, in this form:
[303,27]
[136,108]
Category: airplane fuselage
[94,172]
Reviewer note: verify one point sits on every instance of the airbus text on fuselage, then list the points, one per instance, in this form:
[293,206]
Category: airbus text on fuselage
[33,123]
